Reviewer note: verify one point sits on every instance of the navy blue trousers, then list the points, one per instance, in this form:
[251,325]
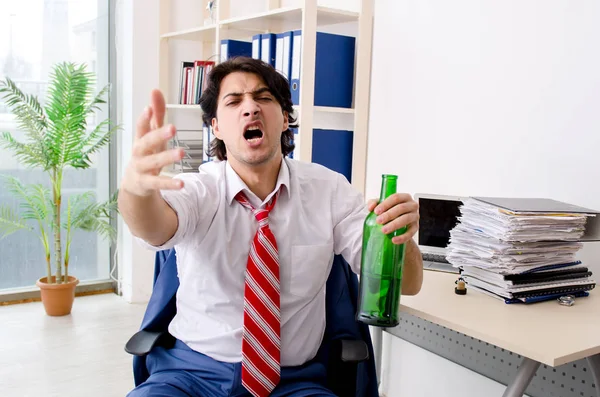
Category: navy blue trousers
[181,371]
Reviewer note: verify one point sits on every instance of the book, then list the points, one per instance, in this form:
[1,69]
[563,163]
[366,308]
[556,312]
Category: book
[564,287]
[546,275]
[533,299]
[193,80]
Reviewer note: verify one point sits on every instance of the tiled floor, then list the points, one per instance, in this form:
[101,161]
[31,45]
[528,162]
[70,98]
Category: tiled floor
[76,355]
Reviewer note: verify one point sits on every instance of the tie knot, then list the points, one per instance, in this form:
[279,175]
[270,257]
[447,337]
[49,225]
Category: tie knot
[261,214]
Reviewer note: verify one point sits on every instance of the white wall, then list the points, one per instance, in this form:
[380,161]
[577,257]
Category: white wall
[483,98]
[137,65]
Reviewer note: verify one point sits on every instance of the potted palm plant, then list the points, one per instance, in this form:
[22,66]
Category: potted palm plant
[57,137]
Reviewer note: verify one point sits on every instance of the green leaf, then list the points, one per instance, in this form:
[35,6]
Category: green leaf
[97,139]
[28,112]
[33,199]
[91,216]
[28,154]
[66,106]
[10,222]
[98,100]
[77,206]
[41,198]
[102,227]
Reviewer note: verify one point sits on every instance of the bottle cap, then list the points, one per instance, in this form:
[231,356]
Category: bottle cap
[460,289]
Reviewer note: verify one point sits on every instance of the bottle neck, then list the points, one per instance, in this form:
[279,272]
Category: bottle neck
[388,186]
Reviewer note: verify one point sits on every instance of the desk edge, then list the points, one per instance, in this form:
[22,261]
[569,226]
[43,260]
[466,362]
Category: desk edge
[503,344]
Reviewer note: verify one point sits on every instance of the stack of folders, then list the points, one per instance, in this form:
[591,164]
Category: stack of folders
[519,256]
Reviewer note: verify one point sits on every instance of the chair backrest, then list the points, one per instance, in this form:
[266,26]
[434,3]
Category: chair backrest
[341,305]
[341,300]
[162,306]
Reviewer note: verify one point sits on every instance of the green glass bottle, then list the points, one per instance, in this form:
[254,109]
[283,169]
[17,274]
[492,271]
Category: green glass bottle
[381,268]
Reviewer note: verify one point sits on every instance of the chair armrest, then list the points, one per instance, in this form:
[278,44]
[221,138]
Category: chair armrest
[353,351]
[344,357]
[143,341]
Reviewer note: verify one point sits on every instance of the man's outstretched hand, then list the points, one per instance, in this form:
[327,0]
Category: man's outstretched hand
[150,155]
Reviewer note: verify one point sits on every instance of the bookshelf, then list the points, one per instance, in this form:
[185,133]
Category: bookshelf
[273,16]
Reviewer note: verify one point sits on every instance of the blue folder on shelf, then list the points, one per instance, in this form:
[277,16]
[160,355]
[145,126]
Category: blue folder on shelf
[267,48]
[256,46]
[334,69]
[333,149]
[283,53]
[295,132]
[232,48]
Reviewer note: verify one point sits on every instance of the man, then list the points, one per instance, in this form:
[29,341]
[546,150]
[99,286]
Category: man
[255,235]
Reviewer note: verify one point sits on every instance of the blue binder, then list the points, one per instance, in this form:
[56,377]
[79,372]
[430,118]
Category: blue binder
[283,54]
[256,42]
[267,48]
[333,149]
[334,69]
[295,69]
[295,132]
[232,48]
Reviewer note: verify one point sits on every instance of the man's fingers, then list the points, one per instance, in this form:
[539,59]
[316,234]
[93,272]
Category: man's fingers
[396,211]
[157,103]
[155,162]
[160,182]
[154,141]
[403,238]
[371,204]
[391,201]
[400,222]
[143,123]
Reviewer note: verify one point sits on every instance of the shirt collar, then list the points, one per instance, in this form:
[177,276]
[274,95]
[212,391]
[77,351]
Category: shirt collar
[235,184]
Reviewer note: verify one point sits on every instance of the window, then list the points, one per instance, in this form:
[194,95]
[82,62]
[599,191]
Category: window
[36,34]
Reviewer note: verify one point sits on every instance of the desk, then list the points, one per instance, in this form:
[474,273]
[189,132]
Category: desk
[541,333]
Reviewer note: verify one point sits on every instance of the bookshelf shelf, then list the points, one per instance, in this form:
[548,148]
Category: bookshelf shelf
[327,109]
[327,112]
[203,43]
[203,33]
[195,108]
[287,19]
[332,16]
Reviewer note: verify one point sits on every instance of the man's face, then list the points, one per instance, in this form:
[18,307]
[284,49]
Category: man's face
[249,120]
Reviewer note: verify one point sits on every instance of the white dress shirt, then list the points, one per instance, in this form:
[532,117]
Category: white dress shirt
[317,214]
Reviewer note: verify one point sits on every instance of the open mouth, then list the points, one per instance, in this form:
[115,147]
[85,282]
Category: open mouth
[253,134]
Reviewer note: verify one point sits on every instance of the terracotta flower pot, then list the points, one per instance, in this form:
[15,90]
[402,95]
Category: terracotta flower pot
[57,298]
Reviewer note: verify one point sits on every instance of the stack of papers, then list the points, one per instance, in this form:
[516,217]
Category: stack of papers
[519,256]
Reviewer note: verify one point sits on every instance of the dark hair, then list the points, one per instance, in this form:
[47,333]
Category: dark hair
[275,81]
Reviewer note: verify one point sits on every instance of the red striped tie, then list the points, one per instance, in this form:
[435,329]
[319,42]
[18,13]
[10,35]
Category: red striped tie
[261,339]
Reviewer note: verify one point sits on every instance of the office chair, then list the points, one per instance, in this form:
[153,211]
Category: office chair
[346,349]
